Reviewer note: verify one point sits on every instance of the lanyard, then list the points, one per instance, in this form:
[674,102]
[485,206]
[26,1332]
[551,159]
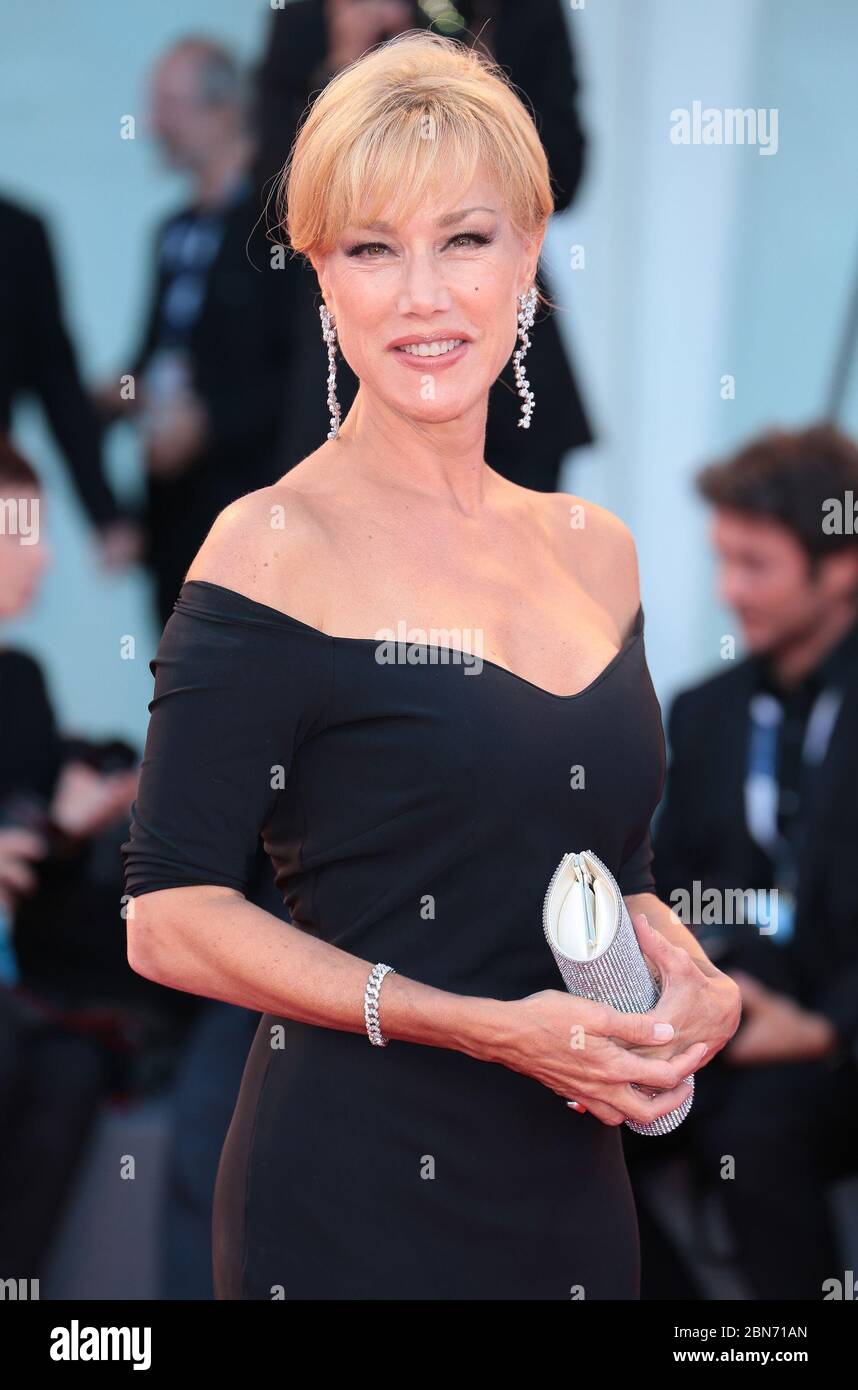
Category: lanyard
[762,793]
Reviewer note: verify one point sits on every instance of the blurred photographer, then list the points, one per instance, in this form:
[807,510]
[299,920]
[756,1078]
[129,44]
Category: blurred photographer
[75,1026]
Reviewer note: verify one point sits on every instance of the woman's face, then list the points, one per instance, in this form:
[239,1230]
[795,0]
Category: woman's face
[452,274]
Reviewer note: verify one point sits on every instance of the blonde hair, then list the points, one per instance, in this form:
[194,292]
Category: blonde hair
[415,109]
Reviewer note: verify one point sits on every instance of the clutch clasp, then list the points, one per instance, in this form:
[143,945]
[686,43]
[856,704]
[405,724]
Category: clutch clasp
[588,901]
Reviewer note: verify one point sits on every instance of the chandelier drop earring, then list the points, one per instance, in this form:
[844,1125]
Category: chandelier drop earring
[329,333]
[527,309]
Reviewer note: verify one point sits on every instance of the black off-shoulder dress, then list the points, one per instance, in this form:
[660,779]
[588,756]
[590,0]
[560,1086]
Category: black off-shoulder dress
[413,811]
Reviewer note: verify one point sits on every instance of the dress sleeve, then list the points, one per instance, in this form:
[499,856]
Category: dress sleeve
[238,686]
[635,875]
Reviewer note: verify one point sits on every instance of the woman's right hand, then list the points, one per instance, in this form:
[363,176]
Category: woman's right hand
[580,1050]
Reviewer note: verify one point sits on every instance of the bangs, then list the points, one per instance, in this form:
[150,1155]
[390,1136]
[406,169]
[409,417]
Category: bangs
[408,123]
[395,167]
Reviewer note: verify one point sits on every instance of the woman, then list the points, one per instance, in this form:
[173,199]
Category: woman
[414,795]
[308,42]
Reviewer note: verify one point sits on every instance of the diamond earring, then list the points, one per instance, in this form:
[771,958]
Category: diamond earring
[329,333]
[527,309]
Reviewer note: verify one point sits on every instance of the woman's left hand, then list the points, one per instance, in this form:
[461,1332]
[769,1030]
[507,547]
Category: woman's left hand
[702,1007]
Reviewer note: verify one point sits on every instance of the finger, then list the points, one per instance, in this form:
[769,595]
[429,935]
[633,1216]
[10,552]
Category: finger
[651,1071]
[657,1054]
[679,1066]
[644,1109]
[652,942]
[642,1029]
[692,1059]
[656,946]
[607,1114]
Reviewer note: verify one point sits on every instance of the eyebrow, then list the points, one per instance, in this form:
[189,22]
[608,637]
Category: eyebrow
[445,221]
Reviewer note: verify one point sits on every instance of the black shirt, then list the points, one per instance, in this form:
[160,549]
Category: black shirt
[795,770]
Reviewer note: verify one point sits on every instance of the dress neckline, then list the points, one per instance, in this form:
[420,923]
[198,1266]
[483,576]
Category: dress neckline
[278,613]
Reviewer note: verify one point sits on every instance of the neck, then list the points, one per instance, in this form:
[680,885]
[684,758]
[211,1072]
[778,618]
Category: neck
[801,654]
[442,460]
[217,175]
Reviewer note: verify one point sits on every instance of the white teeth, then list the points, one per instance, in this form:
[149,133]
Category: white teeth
[432,349]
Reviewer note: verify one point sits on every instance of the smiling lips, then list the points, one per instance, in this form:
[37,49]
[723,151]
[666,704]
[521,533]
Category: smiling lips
[434,349]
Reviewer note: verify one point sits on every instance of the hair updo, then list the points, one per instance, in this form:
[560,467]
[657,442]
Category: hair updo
[416,109]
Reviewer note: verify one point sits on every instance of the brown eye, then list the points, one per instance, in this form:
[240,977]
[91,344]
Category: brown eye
[475,238]
[367,246]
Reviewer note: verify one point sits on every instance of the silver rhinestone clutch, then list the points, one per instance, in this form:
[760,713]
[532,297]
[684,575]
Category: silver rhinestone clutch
[590,932]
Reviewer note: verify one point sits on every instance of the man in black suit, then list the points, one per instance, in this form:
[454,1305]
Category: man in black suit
[207,385]
[37,359]
[762,801]
[309,41]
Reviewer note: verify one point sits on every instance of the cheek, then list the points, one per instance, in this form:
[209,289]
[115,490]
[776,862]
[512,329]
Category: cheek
[489,297]
[503,337]
[362,311]
[495,310]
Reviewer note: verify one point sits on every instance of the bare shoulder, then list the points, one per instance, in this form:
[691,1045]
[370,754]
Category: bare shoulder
[263,545]
[603,554]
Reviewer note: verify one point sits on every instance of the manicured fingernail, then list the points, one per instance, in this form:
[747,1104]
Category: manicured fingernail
[663,1030]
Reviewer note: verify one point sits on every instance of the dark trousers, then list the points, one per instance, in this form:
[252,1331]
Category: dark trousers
[204,1097]
[52,1084]
[769,1139]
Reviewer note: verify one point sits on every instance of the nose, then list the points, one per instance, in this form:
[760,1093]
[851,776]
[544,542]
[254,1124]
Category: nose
[424,290]
[730,586]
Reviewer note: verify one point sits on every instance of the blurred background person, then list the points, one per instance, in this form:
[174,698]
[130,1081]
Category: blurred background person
[78,1027]
[37,358]
[311,40]
[209,377]
[75,1026]
[762,797]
